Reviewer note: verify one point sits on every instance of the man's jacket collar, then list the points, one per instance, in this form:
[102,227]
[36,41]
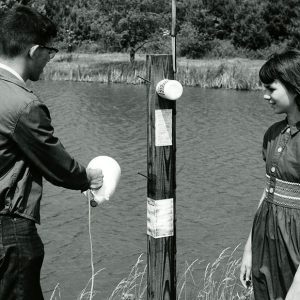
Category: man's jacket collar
[7,76]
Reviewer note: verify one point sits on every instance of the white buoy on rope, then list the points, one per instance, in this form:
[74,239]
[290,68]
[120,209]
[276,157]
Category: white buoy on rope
[169,89]
[111,171]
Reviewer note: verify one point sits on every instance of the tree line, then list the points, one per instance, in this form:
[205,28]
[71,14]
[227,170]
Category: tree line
[218,28]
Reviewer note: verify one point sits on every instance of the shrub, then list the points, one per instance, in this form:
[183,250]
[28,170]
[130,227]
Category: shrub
[192,43]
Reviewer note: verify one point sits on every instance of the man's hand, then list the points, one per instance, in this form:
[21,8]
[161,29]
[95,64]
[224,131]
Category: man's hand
[95,178]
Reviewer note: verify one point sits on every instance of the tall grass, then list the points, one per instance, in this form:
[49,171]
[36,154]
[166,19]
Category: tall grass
[104,72]
[240,74]
[220,281]
[134,286]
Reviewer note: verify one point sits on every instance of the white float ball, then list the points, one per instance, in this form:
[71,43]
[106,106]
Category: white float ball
[111,176]
[169,89]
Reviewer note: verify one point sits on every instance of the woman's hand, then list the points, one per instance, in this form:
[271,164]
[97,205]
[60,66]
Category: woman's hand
[245,274]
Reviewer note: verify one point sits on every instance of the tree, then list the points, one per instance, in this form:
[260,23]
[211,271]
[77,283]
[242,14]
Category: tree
[142,24]
[280,16]
[130,25]
[7,4]
[224,11]
[198,31]
[192,43]
[294,32]
[249,27]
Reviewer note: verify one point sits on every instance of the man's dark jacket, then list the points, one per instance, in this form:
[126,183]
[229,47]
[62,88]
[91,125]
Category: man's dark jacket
[29,151]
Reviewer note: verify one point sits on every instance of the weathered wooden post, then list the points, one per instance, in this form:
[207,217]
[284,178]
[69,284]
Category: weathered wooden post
[161,174]
[173,35]
[161,197]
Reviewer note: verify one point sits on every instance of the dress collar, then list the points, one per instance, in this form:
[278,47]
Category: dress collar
[295,128]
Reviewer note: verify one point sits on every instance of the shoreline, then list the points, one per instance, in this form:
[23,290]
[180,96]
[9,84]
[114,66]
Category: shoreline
[234,73]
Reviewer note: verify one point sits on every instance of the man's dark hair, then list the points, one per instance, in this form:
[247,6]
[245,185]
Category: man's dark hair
[21,27]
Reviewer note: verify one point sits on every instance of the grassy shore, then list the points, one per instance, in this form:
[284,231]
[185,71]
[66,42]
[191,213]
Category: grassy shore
[220,281]
[238,73]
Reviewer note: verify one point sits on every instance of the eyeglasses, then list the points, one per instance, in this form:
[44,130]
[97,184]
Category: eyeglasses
[52,51]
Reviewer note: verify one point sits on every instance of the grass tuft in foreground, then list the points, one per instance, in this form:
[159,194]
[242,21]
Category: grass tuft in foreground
[220,281]
[134,286]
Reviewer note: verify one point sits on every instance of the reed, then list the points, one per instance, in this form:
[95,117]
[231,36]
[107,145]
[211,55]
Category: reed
[104,72]
[85,294]
[220,281]
[239,74]
[236,74]
[56,293]
[134,286]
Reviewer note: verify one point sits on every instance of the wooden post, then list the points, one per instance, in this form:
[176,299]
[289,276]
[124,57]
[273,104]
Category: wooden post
[161,231]
[173,35]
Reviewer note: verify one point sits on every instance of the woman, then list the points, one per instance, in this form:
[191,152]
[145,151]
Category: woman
[272,252]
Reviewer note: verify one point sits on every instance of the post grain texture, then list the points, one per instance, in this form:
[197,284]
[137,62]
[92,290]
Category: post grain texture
[161,196]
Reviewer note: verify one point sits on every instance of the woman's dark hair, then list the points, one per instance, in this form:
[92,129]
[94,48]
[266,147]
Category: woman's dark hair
[21,27]
[284,67]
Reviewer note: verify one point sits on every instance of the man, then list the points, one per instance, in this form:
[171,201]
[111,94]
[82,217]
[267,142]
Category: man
[28,152]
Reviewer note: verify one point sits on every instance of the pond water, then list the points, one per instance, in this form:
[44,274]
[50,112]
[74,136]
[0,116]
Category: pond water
[220,178]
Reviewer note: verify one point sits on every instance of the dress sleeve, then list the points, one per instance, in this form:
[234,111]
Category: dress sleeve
[33,134]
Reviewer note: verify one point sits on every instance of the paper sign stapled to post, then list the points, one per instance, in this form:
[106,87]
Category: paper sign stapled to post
[163,127]
[160,218]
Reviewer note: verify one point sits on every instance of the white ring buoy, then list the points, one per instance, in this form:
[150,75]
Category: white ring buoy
[111,176]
